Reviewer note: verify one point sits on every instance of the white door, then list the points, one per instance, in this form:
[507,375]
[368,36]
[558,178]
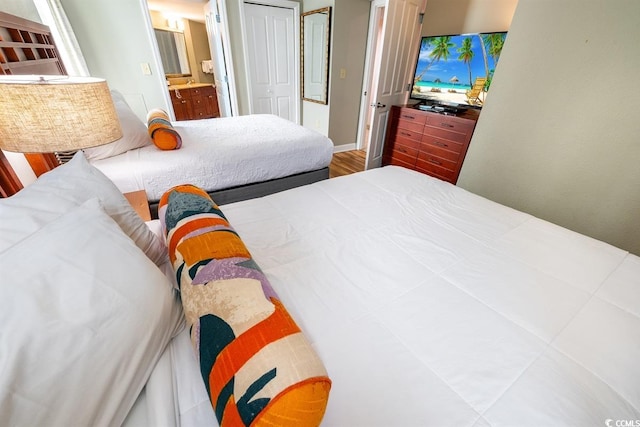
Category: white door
[271,48]
[221,56]
[401,28]
[371,71]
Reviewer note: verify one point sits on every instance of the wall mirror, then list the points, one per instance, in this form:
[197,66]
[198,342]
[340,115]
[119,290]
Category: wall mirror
[316,25]
[173,52]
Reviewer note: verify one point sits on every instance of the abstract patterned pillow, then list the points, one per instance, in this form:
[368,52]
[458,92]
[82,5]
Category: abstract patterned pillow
[258,367]
[161,131]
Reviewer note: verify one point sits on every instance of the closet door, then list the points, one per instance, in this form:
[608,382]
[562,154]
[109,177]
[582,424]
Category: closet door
[271,53]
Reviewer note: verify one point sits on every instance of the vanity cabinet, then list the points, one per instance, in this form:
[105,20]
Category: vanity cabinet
[429,142]
[197,102]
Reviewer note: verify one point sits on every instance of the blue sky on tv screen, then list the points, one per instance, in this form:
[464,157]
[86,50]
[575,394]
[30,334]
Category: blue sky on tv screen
[447,71]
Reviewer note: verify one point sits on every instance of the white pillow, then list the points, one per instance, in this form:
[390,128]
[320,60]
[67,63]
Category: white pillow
[85,317]
[134,133]
[63,188]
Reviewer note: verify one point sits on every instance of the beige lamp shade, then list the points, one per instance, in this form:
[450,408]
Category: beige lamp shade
[43,114]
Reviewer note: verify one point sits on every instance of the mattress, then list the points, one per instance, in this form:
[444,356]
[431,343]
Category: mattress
[432,306]
[221,153]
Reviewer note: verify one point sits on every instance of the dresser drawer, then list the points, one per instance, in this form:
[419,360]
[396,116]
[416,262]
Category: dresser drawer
[406,142]
[435,170]
[201,113]
[451,135]
[433,142]
[405,155]
[409,126]
[397,162]
[437,161]
[436,151]
[412,115]
[450,123]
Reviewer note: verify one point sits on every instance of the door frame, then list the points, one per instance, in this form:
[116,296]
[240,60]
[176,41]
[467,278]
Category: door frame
[286,4]
[369,67]
[219,8]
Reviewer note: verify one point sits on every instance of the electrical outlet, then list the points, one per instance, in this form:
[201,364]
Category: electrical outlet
[146,68]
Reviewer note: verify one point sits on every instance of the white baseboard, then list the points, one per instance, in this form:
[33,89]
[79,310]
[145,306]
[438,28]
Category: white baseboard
[344,147]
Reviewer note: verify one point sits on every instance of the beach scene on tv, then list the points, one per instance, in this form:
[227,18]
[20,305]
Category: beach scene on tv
[456,70]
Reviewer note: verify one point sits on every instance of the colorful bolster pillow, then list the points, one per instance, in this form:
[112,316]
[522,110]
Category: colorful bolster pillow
[258,367]
[161,131]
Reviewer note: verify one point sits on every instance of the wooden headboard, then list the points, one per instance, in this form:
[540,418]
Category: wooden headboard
[26,47]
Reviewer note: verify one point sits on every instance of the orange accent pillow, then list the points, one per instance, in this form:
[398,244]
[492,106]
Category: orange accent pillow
[161,131]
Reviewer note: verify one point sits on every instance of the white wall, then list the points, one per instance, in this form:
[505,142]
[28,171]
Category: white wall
[115,42]
[558,136]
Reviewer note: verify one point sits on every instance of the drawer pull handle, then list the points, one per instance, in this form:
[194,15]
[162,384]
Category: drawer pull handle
[435,162]
[441,144]
[183,102]
[407,116]
[405,133]
[446,125]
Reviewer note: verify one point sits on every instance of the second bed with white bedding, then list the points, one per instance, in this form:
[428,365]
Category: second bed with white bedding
[221,153]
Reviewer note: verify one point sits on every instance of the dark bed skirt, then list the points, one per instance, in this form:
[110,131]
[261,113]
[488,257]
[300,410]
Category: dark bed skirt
[258,189]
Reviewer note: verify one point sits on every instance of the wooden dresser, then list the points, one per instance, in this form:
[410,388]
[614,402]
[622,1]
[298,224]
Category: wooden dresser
[429,142]
[190,103]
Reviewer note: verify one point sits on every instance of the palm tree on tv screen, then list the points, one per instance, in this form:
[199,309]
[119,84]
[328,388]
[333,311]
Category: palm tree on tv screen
[493,43]
[441,48]
[466,55]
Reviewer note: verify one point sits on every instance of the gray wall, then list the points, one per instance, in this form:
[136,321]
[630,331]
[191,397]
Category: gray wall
[348,49]
[558,136]
[349,25]
[448,17]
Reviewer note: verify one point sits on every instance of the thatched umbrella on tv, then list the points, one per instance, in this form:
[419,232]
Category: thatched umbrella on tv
[454,79]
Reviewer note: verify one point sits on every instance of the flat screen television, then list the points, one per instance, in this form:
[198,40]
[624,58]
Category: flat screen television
[448,68]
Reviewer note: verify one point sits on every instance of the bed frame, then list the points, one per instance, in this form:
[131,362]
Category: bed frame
[258,189]
[27,47]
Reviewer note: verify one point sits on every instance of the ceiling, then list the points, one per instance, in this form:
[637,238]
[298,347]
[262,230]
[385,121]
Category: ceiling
[189,9]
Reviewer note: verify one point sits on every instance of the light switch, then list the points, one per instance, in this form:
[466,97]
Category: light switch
[146,69]
[343,73]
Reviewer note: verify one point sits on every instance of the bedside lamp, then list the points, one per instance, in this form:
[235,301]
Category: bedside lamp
[43,114]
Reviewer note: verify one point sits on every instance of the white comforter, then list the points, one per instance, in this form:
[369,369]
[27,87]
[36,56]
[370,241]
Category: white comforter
[221,153]
[432,306]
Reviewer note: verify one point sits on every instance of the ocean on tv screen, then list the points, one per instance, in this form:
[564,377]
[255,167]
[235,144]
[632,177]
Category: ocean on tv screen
[448,67]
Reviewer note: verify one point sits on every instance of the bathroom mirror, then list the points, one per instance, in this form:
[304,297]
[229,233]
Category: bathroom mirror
[173,52]
[315,54]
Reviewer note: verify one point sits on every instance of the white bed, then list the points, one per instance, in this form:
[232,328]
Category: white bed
[427,304]
[432,306]
[224,153]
